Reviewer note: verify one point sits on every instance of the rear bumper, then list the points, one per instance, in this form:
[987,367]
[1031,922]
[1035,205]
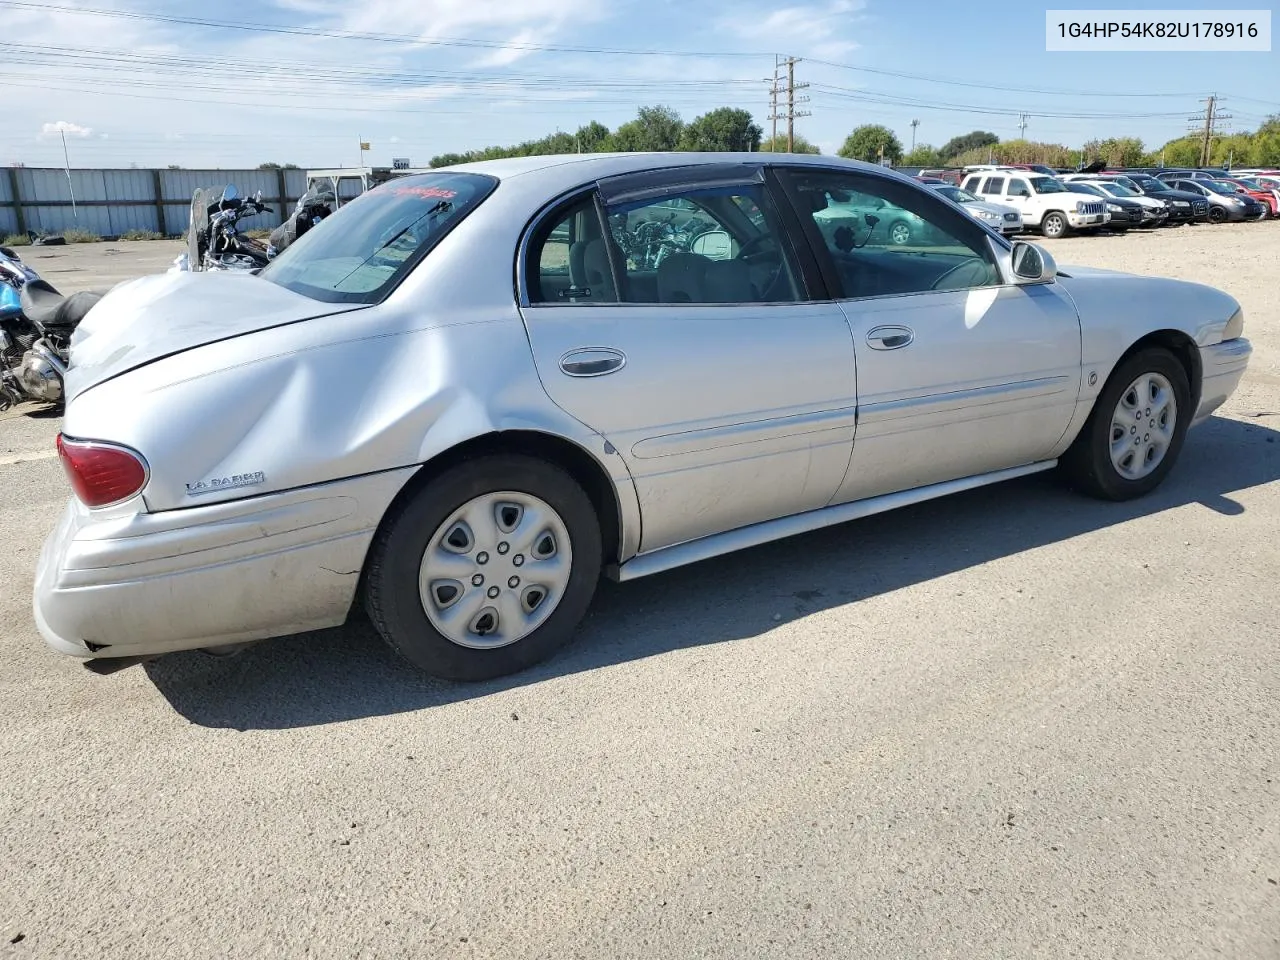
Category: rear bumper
[1222,365]
[152,583]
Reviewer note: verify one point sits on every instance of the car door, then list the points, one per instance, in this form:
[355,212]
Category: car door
[684,335]
[959,373]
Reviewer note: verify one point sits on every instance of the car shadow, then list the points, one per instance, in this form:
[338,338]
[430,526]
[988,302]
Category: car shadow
[348,673]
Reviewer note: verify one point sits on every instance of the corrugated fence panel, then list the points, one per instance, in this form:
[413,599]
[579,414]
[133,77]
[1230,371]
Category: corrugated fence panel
[113,202]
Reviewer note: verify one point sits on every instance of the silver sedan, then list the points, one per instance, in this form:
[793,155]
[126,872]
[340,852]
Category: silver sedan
[468,393]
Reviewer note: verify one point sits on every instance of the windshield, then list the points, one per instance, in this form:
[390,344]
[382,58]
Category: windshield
[1217,187]
[1041,168]
[957,195]
[1147,182]
[1048,185]
[1117,190]
[363,251]
[1087,188]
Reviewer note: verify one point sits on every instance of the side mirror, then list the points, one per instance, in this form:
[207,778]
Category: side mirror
[871,219]
[1032,263]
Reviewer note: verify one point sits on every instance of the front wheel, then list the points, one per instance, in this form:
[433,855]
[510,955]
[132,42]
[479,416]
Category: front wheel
[487,570]
[1135,433]
[1054,225]
[1217,215]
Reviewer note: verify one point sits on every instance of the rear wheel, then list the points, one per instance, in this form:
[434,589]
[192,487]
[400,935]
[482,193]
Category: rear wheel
[487,570]
[1135,433]
[900,233]
[1054,225]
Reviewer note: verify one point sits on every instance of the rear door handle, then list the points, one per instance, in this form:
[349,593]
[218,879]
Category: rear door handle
[592,361]
[890,338]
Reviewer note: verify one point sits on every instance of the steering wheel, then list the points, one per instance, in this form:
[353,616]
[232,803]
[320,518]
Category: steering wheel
[748,249]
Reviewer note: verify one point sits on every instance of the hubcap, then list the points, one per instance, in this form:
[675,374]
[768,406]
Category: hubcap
[900,233]
[495,570]
[1142,426]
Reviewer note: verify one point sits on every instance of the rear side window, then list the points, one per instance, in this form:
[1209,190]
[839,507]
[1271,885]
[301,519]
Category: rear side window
[568,257]
[364,250]
[995,185]
[972,184]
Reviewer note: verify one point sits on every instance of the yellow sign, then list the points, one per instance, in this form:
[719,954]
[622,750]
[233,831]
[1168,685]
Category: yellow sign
[364,145]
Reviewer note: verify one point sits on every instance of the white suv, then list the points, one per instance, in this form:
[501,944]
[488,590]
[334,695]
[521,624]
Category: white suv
[1045,202]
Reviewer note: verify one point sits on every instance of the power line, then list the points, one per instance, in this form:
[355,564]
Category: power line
[404,39]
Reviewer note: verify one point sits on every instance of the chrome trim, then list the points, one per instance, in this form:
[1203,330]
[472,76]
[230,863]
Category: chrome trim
[668,558]
[755,431]
[934,403]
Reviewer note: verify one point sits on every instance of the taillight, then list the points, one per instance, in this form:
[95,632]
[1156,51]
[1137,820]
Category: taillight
[101,473]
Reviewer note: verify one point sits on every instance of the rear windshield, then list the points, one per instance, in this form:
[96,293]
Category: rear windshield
[362,252]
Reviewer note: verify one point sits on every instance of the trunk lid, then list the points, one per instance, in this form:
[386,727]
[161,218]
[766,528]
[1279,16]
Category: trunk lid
[153,317]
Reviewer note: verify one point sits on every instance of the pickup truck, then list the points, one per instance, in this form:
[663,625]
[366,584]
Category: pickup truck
[1045,202]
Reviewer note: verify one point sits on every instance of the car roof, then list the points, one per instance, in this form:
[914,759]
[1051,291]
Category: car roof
[594,165]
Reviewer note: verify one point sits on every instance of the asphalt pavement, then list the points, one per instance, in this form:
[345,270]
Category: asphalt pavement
[1014,723]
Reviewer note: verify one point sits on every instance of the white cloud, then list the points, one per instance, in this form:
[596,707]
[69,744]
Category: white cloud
[394,140]
[800,25]
[59,127]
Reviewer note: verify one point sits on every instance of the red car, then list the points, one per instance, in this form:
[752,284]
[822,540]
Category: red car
[1265,197]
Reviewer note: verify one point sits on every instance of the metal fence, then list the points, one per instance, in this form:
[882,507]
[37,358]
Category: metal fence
[113,202]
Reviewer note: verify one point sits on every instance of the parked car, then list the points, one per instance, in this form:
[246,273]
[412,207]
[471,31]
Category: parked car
[1169,176]
[1155,212]
[1264,182]
[1007,220]
[1185,206]
[1045,202]
[382,417]
[1224,203]
[1035,168]
[1264,196]
[1126,212]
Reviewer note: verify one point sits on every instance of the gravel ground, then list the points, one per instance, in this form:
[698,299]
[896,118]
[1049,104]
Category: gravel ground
[1015,723]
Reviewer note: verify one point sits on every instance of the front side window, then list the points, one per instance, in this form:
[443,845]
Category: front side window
[362,252]
[995,185]
[884,237]
[716,245]
[1048,185]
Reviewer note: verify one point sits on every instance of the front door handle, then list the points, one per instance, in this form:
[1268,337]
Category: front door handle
[592,361]
[890,338]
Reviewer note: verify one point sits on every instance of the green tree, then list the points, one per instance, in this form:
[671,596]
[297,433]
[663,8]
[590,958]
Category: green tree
[594,137]
[778,144]
[868,141]
[724,129]
[923,156]
[1266,143]
[1115,151]
[966,142]
[654,128]
[1183,152]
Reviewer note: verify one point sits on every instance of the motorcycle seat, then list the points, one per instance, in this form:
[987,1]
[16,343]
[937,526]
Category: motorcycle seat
[47,308]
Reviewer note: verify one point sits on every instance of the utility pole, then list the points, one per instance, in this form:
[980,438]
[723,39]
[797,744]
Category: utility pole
[1206,126]
[773,105]
[791,112]
[1022,126]
[914,124]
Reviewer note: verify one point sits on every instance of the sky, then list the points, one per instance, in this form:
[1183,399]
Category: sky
[130,84]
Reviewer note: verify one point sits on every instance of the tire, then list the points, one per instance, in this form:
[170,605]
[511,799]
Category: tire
[1054,225]
[1217,215]
[394,598]
[1089,464]
[900,233]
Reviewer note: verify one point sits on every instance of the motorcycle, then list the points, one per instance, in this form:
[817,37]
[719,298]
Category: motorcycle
[320,200]
[214,241]
[36,324]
